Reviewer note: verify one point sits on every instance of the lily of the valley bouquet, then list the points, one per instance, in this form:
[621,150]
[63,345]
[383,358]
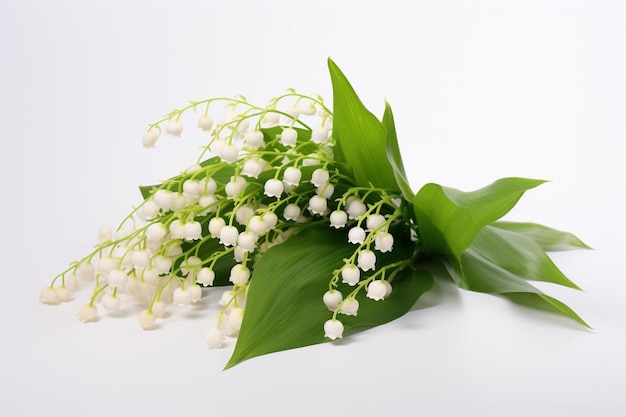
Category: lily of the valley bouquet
[305,212]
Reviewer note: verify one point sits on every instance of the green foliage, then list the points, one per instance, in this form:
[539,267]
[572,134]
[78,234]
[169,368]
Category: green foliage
[361,139]
[449,219]
[285,309]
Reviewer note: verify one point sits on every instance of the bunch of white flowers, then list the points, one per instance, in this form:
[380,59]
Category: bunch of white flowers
[272,174]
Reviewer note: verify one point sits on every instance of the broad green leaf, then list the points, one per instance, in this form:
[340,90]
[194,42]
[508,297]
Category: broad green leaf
[474,271]
[448,219]
[285,309]
[360,137]
[519,254]
[549,239]
[394,156]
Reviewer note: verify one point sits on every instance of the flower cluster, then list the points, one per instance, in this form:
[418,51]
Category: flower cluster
[272,173]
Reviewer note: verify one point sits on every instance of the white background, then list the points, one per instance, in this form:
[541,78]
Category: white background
[480,89]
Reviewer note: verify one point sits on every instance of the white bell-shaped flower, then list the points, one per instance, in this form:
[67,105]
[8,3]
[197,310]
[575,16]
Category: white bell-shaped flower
[156,232]
[247,241]
[181,296]
[253,167]
[205,122]
[87,313]
[207,186]
[229,153]
[179,202]
[291,212]
[149,210]
[333,329]
[271,118]
[216,224]
[147,319]
[376,290]
[235,186]
[356,235]
[271,219]
[350,307]
[191,188]
[162,264]
[239,274]
[111,303]
[274,188]
[366,260]
[244,214]
[355,209]
[289,137]
[375,220]
[117,278]
[332,298]
[196,292]
[229,235]
[149,139]
[338,219]
[234,320]
[205,276]
[318,205]
[383,242]
[306,107]
[49,295]
[159,308]
[140,258]
[326,190]
[292,176]
[163,199]
[174,128]
[254,139]
[319,134]
[319,177]
[177,229]
[86,271]
[105,233]
[214,338]
[350,274]
[257,225]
